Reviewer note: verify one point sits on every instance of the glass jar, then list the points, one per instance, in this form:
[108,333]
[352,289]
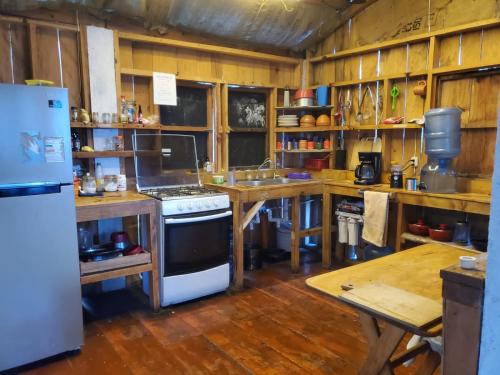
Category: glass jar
[119,144]
[110,182]
[88,184]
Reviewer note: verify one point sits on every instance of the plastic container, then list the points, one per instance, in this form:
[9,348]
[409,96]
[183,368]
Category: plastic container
[316,164]
[322,95]
[442,133]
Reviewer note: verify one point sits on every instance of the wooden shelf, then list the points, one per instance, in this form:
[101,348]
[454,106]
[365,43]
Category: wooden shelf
[298,129]
[303,151]
[422,239]
[379,79]
[305,108]
[91,272]
[464,68]
[385,127]
[184,128]
[488,23]
[77,124]
[247,130]
[102,154]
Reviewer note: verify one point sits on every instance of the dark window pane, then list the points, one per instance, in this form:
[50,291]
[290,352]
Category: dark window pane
[191,108]
[201,146]
[247,109]
[246,149]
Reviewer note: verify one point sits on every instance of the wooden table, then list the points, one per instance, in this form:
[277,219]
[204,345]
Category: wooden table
[403,290]
[121,204]
[258,195]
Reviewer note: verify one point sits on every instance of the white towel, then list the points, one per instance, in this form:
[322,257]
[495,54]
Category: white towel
[375,217]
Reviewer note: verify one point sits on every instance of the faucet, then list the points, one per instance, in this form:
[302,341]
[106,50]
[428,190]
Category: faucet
[272,165]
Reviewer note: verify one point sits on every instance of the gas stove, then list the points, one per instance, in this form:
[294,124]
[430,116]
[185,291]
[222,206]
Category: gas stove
[188,199]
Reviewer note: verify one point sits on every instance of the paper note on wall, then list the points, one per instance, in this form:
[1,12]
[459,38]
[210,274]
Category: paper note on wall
[164,89]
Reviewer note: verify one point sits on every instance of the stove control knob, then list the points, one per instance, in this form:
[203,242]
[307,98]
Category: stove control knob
[179,207]
[207,204]
[198,205]
[215,203]
[189,206]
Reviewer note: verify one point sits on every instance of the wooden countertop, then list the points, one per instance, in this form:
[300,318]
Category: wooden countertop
[116,204]
[257,193]
[397,277]
[468,202]
[112,198]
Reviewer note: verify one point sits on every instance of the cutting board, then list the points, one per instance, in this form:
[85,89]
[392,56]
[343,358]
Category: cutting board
[398,304]
[363,145]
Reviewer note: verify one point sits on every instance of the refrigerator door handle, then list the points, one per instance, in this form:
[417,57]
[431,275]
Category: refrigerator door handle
[32,188]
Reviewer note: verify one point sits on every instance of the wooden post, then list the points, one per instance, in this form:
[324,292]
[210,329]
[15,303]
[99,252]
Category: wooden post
[238,244]
[33,50]
[400,225]
[295,234]
[154,286]
[326,257]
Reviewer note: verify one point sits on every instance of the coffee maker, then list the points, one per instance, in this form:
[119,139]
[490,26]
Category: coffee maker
[369,170]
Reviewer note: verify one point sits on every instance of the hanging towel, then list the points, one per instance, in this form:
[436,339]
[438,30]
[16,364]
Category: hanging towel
[375,217]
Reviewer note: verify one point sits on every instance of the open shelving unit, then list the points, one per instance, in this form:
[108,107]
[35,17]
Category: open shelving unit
[424,239]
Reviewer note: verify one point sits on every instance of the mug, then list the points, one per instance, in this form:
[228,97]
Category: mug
[322,95]
[420,88]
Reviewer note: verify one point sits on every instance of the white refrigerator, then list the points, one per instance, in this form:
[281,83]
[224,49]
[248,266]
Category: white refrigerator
[40,294]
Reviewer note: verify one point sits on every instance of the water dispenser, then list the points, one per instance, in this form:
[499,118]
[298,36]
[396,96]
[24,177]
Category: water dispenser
[442,144]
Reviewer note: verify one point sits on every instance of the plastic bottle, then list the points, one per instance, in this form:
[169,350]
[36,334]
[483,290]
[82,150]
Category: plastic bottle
[99,177]
[207,166]
[123,113]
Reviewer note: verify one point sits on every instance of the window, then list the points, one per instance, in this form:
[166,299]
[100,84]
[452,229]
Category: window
[191,108]
[248,123]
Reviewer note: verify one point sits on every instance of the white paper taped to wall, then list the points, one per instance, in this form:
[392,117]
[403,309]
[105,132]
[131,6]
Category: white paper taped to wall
[164,89]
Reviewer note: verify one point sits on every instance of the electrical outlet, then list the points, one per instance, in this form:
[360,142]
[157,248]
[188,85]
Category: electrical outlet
[414,160]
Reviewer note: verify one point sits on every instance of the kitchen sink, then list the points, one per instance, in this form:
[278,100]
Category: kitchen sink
[269,181]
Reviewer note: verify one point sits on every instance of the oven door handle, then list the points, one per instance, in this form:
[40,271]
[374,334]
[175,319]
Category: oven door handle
[195,219]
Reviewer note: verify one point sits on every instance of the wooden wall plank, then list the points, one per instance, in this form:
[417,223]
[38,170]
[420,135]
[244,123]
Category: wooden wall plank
[71,66]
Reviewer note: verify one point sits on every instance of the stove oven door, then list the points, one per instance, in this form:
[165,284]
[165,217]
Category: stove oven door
[196,242]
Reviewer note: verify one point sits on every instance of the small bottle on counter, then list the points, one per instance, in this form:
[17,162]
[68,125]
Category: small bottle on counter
[207,166]
[74,114]
[139,115]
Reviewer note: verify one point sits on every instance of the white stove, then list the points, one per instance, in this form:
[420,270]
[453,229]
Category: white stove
[194,242]
[188,199]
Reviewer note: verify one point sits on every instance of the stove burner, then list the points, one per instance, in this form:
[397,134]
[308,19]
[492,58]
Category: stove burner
[179,192]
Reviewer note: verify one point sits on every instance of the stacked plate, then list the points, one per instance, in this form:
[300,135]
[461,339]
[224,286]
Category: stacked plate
[288,120]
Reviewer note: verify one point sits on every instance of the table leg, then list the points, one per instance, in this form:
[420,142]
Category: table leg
[154,282]
[295,234]
[238,244]
[327,230]
[431,362]
[381,345]
[400,225]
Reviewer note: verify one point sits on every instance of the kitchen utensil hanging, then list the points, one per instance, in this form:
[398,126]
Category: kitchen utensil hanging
[394,95]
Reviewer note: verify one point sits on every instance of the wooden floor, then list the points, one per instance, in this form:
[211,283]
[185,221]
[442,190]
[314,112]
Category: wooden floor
[276,325]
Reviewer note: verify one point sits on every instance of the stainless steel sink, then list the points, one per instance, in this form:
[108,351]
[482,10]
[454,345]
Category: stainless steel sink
[270,181]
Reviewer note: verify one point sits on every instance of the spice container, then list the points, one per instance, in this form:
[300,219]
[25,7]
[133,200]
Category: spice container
[303,144]
[74,114]
[310,144]
[319,144]
[279,145]
[295,144]
[326,144]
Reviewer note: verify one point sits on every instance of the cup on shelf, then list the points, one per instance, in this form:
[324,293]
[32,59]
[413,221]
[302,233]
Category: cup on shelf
[106,118]
[115,119]
[96,118]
